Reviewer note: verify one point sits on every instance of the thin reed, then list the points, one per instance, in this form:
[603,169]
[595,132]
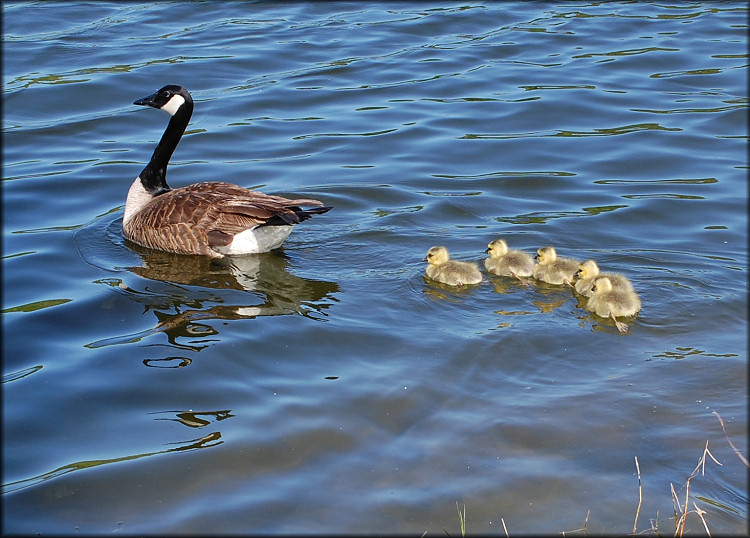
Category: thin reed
[681,506]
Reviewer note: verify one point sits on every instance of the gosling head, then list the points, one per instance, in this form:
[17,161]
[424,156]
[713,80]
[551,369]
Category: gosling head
[546,255]
[587,270]
[437,256]
[602,285]
[497,248]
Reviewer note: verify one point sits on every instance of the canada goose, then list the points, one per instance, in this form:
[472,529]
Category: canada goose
[588,271]
[454,273]
[610,303]
[212,218]
[554,270]
[505,262]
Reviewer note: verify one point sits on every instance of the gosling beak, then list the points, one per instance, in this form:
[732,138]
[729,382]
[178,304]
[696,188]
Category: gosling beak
[487,251]
[424,259]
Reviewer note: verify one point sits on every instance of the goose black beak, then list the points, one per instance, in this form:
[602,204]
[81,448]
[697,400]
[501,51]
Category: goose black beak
[147,101]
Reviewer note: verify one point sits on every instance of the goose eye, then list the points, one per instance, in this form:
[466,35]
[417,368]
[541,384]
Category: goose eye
[166,94]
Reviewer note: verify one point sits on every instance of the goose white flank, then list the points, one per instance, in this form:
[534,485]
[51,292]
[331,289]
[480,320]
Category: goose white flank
[211,218]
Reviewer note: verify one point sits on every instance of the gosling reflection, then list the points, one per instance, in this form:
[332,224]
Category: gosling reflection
[266,289]
[168,362]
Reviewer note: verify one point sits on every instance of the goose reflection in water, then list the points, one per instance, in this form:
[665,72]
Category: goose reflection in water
[207,441]
[251,286]
[194,419]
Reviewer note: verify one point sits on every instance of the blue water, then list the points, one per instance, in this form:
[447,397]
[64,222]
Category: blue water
[328,386]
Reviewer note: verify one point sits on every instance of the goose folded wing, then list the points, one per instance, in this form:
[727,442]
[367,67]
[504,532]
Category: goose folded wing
[269,209]
[237,193]
[205,215]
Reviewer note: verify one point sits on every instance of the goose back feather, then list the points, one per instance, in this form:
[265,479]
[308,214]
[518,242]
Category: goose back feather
[205,218]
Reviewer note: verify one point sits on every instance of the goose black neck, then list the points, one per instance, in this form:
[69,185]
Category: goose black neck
[154,176]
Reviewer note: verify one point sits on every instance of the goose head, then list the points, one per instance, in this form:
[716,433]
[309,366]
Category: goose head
[588,270]
[171,99]
[437,256]
[546,255]
[497,248]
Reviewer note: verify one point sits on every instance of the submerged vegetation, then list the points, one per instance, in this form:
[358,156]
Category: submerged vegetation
[682,500]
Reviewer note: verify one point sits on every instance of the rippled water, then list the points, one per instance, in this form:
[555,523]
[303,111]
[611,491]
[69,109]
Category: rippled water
[329,386]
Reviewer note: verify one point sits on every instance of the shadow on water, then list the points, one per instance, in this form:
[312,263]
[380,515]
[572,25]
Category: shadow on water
[181,290]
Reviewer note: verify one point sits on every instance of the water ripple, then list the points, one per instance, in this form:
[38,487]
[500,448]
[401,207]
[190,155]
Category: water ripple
[338,362]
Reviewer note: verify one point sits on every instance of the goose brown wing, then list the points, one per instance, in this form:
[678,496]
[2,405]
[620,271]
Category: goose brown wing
[241,193]
[262,208]
[195,218]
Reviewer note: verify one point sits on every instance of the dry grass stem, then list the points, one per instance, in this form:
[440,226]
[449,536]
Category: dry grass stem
[680,514]
[655,524]
[700,515]
[702,461]
[683,517]
[675,501]
[739,454]
[583,529]
[681,511]
[640,496]
[586,522]
[681,507]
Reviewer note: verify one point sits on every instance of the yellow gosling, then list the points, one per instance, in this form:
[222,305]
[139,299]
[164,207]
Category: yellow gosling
[505,262]
[588,271]
[553,270]
[454,273]
[608,302]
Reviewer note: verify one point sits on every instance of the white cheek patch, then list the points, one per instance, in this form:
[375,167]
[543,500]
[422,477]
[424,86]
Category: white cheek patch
[173,105]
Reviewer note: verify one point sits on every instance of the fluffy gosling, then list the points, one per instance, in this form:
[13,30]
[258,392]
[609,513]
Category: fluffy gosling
[505,262]
[588,271]
[553,270]
[608,302]
[454,273]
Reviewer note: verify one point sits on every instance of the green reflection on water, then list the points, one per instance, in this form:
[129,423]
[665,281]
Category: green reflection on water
[38,305]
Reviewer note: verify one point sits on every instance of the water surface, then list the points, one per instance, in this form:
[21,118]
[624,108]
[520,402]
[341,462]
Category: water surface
[328,386]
